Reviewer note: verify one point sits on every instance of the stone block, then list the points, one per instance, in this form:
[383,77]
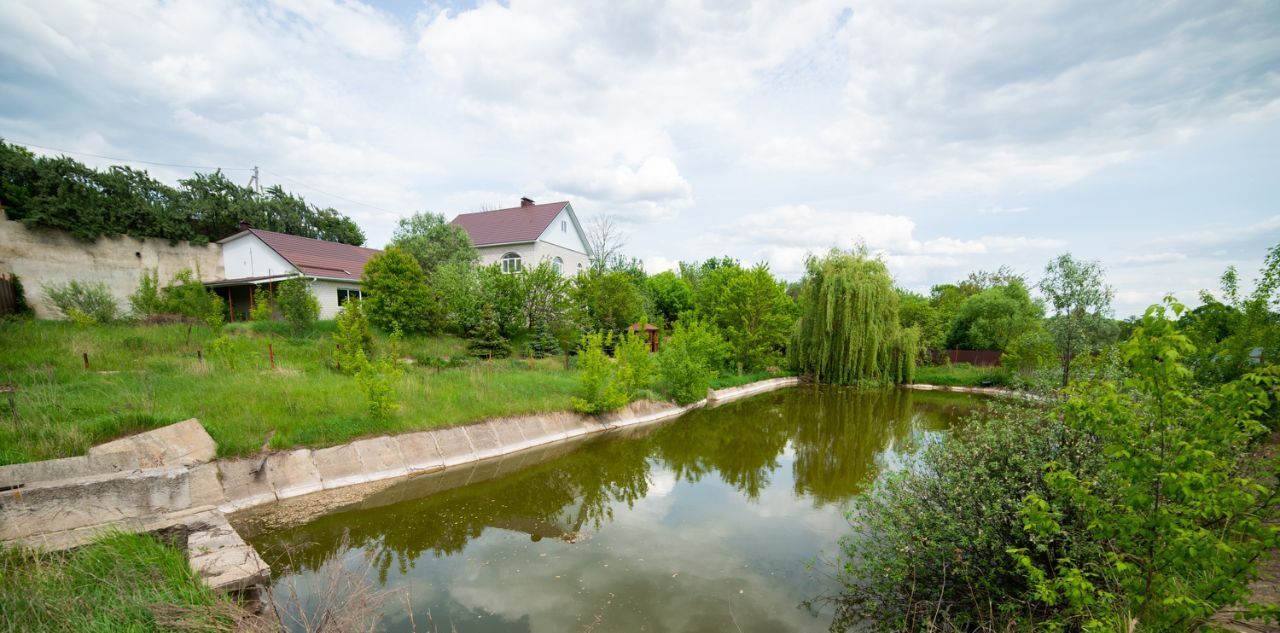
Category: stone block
[15,475]
[86,501]
[510,439]
[293,474]
[182,444]
[420,452]
[455,447]
[484,440]
[339,466]
[244,483]
[206,488]
[381,458]
[535,434]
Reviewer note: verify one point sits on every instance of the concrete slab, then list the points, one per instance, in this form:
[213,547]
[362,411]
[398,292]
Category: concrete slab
[510,439]
[381,458]
[182,444]
[293,474]
[206,488]
[420,452]
[484,439]
[86,501]
[455,447]
[339,466]
[244,484]
[15,475]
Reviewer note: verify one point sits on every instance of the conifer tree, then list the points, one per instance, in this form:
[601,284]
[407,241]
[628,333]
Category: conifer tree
[487,340]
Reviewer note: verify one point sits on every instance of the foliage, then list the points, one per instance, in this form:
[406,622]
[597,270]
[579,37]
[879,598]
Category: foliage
[398,296]
[434,242]
[1081,302]
[502,292]
[543,341]
[377,381]
[146,300]
[930,542]
[61,193]
[221,351]
[636,367]
[91,301]
[186,296]
[20,305]
[690,359]
[670,295]
[917,311]
[756,316]
[121,582]
[1183,518]
[544,296]
[848,330]
[297,303]
[1234,333]
[600,389]
[460,296]
[262,309]
[353,342]
[487,340]
[996,318]
[609,300]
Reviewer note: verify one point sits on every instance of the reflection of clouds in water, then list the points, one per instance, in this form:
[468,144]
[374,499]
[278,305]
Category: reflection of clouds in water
[661,483]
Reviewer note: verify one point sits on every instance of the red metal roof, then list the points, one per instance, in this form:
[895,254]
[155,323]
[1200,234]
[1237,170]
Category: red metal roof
[509,226]
[318,258]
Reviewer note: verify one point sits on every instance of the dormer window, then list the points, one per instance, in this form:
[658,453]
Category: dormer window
[511,263]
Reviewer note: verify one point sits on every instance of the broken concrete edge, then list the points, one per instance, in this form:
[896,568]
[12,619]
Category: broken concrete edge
[982,391]
[721,396]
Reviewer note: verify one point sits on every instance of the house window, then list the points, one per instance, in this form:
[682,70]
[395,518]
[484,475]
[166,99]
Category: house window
[511,263]
[348,293]
[564,226]
[559,264]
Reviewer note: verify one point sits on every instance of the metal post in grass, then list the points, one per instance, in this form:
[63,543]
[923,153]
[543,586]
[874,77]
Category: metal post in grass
[271,353]
[85,356]
[531,358]
[200,357]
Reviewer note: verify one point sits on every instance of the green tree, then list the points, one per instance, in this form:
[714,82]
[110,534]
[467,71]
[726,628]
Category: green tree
[487,340]
[503,293]
[460,296]
[353,340]
[1081,302]
[544,295]
[398,296]
[917,311]
[298,304]
[849,330]
[756,316]
[185,295]
[996,318]
[690,359]
[601,388]
[434,242]
[669,294]
[609,300]
[146,300]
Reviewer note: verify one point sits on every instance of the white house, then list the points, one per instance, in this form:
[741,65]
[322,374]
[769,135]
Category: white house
[254,257]
[528,234]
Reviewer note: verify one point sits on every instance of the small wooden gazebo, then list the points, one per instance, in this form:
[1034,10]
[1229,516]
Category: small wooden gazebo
[652,334]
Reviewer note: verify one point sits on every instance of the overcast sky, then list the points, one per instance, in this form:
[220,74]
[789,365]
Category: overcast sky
[948,137]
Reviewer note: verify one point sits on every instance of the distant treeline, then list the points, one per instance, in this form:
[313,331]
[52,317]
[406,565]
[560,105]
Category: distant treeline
[63,193]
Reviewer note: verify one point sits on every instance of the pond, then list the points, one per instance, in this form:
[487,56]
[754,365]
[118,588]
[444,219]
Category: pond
[725,519]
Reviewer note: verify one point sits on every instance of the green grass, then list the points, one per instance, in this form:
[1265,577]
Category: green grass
[962,375]
[142,377]
[122,583]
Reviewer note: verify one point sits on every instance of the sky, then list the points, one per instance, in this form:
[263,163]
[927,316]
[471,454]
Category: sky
[946,137]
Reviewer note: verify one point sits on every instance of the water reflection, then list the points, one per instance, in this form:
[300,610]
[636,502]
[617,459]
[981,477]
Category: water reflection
[734,498]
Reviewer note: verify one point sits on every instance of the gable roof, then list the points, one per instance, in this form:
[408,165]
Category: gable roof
[509,226]
[315,258]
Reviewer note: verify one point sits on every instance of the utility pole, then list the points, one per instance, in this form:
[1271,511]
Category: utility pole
[254,182]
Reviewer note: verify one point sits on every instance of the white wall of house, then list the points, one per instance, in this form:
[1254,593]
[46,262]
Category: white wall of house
[562,232]
[493,254]
[326,292]
[532,253]
[248,256]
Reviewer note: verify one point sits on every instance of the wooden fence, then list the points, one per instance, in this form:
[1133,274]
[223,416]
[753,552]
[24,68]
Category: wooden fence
[8,296]
[975,357]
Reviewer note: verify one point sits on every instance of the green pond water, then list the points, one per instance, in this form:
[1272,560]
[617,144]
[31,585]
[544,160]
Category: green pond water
[725,519]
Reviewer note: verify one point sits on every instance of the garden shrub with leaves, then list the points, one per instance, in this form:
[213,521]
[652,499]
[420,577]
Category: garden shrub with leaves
[187,296]
[262,309]
[690,359]
[298,304]
[607,383]
[87,302]
[353,341]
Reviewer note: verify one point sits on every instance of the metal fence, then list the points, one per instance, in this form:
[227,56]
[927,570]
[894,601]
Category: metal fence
[8,296]
[976,357]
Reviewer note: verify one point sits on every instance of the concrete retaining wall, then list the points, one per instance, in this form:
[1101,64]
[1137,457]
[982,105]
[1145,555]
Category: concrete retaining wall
[47,256]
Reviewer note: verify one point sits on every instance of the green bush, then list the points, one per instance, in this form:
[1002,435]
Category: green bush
[146,300]
[186,295]
[88,301]
[690,359]
[398,296]
[354,339]
[543,342]
[601,389]
[298,304]
[636,367]
[262,309]
[20,305]
[377,382]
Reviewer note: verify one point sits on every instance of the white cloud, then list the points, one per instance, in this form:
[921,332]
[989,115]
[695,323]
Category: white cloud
[999,210]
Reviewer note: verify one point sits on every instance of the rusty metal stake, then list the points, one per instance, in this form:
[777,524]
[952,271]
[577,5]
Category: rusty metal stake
[271,353]
[86,359]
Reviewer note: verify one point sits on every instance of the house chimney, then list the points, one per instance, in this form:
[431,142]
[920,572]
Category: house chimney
[526,202]
[244,225]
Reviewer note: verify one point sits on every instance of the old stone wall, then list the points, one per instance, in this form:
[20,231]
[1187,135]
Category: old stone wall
[47,256]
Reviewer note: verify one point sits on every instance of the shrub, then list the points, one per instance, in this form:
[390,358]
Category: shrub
[398,296]
[376,380]
[487,340]
[690,359]
[354,340]
[543,342]
[262,309]
[222,351]
[601,389]
[635,365]
[20,305]
[146,300]
[298,304]
[89,301]
[185,295]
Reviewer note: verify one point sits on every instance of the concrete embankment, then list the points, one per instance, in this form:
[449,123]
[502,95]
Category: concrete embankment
[166,479]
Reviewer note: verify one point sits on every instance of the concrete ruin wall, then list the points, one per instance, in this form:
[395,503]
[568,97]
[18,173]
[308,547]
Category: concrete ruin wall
[47,256]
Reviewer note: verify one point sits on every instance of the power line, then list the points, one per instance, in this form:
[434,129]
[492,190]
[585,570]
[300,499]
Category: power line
[128,160]
[332,195]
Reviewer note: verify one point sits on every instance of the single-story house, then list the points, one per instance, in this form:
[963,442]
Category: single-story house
[528,234]
[253,258]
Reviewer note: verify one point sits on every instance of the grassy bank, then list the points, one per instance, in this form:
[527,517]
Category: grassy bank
[962,375]
[122,583]
[141,377]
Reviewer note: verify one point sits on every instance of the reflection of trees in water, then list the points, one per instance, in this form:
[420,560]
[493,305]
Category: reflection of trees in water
[553,499]
[838,435]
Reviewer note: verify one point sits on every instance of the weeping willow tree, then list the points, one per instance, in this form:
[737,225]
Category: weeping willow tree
[848,330]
